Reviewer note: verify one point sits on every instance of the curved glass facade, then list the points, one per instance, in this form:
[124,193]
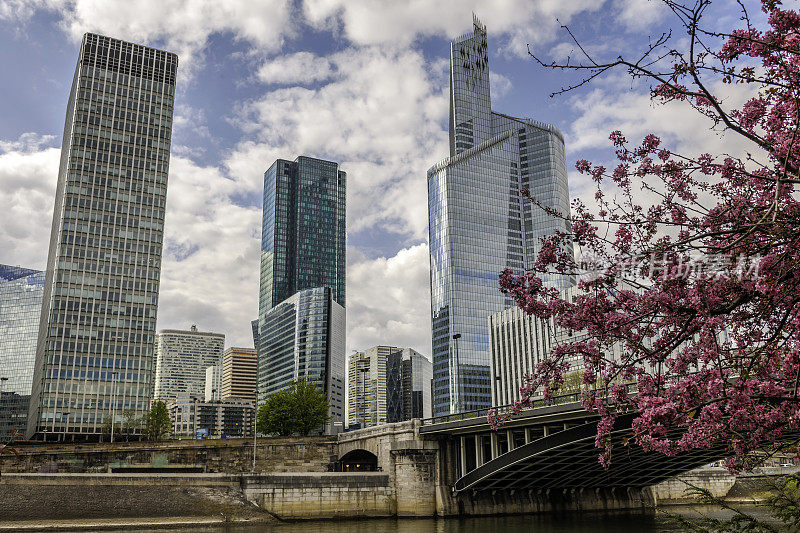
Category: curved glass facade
[480,224]
[304,337]
[21,292]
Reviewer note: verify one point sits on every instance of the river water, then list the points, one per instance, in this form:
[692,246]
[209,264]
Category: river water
[565,523]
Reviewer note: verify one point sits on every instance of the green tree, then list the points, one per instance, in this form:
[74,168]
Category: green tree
[302,408]
[311,406]
[157,423]
[276,415]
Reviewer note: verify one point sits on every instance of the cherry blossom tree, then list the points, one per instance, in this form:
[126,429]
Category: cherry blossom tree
[696,257]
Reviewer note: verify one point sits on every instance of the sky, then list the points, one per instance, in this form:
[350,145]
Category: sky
[360,82]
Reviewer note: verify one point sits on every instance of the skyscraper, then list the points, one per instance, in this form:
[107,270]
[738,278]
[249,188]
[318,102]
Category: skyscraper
[94,357]
[366,401]
[181,360]
[239,374]
[20,306]
[302,230]
[480,224]
[302,282]
[408,386]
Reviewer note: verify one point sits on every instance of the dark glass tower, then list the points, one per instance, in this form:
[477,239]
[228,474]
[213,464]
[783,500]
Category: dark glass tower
[94,358]
[301,318]
[303,230]
[479,223]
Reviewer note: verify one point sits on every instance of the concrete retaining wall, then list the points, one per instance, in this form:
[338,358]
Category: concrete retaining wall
[316,495]
[305,454]
[674,491]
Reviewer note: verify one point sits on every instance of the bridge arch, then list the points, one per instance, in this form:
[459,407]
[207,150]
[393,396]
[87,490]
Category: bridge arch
[569,460]
[358,460]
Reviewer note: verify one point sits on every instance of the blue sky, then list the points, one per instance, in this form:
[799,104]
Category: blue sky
[361,82]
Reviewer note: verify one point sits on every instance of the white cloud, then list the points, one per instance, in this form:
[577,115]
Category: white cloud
[299,68]
[372,22]
[500,84]
[638,15]
[183,26]
[388,300]
[28,175]
[380,115]
[211,249]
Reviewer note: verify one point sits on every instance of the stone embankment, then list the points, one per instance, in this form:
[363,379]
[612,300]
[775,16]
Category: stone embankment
[302,454]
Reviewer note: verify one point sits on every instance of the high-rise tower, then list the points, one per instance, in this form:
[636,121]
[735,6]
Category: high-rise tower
[94,358]
[480,224]
[301,318]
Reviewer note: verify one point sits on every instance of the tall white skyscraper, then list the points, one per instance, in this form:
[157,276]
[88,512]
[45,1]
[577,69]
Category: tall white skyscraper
[480,224]
[94,357]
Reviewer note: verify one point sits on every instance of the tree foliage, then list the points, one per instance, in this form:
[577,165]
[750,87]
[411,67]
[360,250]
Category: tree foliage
[695,270]
[301,409]
[157,423]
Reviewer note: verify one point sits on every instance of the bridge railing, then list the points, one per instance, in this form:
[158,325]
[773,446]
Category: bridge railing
[539,403]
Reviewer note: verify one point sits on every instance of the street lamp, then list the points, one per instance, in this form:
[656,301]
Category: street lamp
[458,374]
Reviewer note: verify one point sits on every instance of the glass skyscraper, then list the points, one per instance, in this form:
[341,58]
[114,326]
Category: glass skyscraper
[300,328]
[302,230]
[304,337]
[479,222]
[94,358]
[21,292]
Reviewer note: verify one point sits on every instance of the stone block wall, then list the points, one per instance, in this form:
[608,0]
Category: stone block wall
[318,496]
[304,454]
[414,482]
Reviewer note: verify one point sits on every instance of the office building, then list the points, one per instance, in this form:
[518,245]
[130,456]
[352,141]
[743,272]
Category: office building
[94,355]
[213,392]
[304,337]
[239,374]
[303,230]
[366,401]
[519,342]
[408,386]
[181,360]
[480,224]
[195,419]
[21,292]
[302,271]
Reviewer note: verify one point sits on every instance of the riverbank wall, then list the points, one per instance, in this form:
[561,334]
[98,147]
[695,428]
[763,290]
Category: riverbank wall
[273,454]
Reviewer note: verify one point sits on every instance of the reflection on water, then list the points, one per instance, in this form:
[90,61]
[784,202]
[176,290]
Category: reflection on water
[566,523]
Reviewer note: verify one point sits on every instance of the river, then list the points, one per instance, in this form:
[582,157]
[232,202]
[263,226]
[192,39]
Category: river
[563,523]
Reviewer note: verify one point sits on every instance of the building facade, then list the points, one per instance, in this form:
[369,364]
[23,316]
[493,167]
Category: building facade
[96,334]
[239,374]
[303,230]
[213,392]
[195,419]
[21,291]
[182,357]
[366,385]
[304,337]
[409,375]
[300,328]
[519,342]
[480,224]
